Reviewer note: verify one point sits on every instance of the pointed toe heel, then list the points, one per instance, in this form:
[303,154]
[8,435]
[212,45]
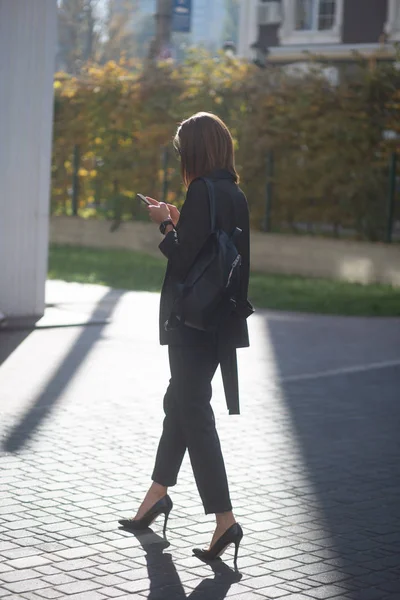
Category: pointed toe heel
[162,507]
[233,535]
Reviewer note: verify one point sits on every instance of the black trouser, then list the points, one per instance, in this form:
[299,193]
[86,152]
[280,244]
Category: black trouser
[189,423]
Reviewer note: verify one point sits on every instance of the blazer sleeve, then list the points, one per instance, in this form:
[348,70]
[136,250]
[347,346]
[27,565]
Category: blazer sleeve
[181,246]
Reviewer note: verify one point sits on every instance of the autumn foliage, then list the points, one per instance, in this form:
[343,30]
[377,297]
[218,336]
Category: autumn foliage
[330,149]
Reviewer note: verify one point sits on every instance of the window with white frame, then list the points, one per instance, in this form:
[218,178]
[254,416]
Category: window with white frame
[269,12]
[315,15]
[311,21]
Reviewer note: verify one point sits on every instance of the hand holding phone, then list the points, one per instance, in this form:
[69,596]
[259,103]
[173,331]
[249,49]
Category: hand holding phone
[144,199]
[159,211]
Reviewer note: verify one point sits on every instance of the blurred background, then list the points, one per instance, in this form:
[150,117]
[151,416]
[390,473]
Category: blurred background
[309,88]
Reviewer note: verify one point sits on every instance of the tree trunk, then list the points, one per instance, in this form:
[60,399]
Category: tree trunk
[90,31]
[163,18]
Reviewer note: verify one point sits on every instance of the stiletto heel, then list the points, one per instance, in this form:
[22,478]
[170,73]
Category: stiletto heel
[162,507]
[233,535]
[166,515]
[237,544]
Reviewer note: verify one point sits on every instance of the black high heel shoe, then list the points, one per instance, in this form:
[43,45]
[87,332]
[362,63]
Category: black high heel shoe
[162,507]
[233,535]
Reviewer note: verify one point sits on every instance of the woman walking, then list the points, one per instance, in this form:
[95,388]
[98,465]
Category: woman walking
[205,147]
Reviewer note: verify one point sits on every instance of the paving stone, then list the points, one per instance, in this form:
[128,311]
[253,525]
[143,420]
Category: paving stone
[47,570]
[81,574]
[7,546]
[80,552]
[269,592]
[76,587]
[129,596]
[19,552]
[27,561]
[255,570]
[5,593]
[326,591]
[58,526]
[330,577]
[280,553]
[48,593]
[114,567]
[19,575]
[282,565]
[367,594]
[58,579]
[295,596]
[307,559]
[22,524]
[288,575]
[27,585]
[109,580]
[91,539]
[391,586]
[315,568]
[92,595]
[50,547]
[111,592]
[263,581]
[295,585]
[74,564]
[139,585]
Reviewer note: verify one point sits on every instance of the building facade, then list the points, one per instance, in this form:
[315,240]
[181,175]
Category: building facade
[283,30]
[208,18]
[147,7]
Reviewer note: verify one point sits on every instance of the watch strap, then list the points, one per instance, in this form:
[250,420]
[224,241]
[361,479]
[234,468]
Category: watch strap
[165,224]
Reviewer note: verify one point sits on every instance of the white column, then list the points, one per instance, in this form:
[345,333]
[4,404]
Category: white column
[28,31]
[392,25]
[248,27]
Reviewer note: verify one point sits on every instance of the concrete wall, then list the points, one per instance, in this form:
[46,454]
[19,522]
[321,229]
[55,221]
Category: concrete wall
[143,237]
[272,253]
[333,259]
[28,30]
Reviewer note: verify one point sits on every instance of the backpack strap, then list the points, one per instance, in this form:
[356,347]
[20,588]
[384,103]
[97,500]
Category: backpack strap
[211,200]
[213,208]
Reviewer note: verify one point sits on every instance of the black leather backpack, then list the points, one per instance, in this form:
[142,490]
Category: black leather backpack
[212,283]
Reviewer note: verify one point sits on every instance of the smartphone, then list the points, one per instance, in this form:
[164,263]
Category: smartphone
[143,199]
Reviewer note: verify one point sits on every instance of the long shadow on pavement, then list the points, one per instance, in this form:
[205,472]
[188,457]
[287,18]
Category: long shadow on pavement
[44,403]
[164,579]
[10,340]
[348,429]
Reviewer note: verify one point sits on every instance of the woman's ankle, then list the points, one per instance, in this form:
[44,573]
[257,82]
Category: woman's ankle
[158,489]
[225,519]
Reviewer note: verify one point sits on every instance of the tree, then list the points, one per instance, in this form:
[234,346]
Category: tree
[120,39]
[329,142]
[77,33]
[145,31]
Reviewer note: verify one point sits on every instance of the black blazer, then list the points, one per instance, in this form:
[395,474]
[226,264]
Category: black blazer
[182,246]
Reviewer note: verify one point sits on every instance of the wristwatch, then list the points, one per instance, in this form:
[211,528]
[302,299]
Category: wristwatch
[165,224]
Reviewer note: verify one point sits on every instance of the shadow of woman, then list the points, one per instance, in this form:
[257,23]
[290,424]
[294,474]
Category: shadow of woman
[165,583]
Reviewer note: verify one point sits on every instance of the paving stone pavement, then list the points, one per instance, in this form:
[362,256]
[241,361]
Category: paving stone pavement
[313,461]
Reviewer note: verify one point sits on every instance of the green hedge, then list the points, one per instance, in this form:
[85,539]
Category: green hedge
[328,143]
